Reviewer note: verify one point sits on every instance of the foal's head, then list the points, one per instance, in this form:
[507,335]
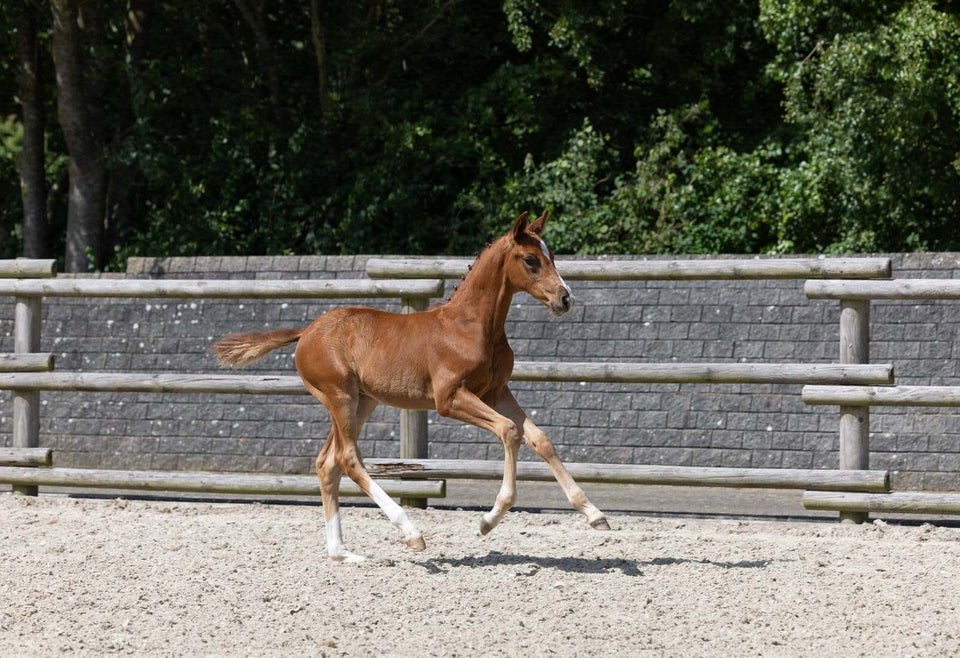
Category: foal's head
[530,266]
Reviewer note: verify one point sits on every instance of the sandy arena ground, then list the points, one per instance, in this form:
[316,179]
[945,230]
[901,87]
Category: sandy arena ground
[95,577]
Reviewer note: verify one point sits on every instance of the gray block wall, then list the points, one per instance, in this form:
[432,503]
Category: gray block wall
[700,425]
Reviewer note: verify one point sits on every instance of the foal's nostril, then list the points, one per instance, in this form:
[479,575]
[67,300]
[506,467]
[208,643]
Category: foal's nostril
[565,300]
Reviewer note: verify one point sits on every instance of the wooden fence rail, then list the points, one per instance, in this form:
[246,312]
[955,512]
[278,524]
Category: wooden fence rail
[740,373]
[882,396]
[655,270]
[224,289]
[198,482]
[913,502]
[26,456]
[26,362]
[702,373]
[688,476]
[27,268]
[897,289]
[145,382]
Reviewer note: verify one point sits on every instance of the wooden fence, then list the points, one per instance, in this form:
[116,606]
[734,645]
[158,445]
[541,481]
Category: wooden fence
[852,362]
[855,401]
[25,376]
[412,281]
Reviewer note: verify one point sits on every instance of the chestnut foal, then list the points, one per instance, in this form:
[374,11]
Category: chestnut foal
[453,357]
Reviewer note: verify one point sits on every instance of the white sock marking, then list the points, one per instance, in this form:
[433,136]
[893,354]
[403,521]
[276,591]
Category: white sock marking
[393,511]
[334,538]
[335,548]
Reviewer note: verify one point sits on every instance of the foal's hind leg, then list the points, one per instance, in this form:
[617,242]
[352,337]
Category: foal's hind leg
[329,474]
[348,413]
[534,437]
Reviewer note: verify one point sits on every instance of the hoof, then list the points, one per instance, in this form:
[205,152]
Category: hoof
[347,558]
[600,524]
[416,544]
[486,526]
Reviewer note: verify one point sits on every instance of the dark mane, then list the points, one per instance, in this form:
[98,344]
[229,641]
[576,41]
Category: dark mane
[487,247]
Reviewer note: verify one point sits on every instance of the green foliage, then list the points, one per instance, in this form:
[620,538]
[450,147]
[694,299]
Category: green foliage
[686,126]
[875,164]
[866,160]
[679,199]
[570,186]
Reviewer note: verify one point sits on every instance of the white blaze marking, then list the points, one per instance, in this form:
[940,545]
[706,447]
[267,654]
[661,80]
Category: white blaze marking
[546,252]
[544,249]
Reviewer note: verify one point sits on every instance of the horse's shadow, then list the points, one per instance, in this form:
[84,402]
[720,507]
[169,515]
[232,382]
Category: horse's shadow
[575,565]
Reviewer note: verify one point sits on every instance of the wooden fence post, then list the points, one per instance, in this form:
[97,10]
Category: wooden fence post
[854,421]
[413,424]
[26,403]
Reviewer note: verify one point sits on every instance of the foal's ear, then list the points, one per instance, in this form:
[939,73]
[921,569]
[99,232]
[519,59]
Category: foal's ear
[519,226]
[536,226]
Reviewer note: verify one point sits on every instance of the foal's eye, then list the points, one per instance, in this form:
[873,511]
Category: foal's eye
[530,260]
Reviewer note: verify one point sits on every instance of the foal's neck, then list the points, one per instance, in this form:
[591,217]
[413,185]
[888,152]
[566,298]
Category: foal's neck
[484,295]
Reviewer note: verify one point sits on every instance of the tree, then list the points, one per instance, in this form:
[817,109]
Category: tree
[865,158]
[875,107]
[80,114]
[33,190]
[254,127]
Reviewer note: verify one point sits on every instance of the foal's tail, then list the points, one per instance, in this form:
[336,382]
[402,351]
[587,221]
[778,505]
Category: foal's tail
[238,350]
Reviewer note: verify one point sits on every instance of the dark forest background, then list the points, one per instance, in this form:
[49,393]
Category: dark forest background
[190,127]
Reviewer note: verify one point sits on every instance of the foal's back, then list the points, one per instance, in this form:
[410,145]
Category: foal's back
[383,355]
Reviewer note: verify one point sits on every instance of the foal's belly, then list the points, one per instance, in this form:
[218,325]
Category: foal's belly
[403,390]
[396,386]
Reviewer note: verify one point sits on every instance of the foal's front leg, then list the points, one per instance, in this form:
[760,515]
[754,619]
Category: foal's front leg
[541,444]
[463,405]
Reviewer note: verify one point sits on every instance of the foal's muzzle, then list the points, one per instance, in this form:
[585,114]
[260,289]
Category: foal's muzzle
[562,303]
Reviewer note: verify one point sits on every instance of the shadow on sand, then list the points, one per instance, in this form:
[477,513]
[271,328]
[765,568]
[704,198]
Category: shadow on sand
[577,565]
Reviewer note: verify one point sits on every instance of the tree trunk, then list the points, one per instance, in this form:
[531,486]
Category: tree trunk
[120,198]
[320,52]
[33,190]
[121,205]
[253,15]
[78,116]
